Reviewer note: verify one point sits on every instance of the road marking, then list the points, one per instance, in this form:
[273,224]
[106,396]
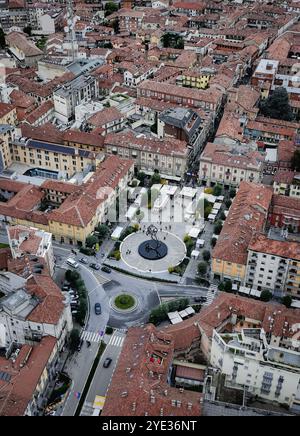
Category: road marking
[116,341]
[91,336]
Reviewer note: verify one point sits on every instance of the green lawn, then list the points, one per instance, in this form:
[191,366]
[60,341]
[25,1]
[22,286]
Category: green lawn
[4,245]
[124,302]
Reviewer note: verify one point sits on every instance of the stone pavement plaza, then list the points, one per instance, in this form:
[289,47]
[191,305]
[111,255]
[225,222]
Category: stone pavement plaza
[132,258]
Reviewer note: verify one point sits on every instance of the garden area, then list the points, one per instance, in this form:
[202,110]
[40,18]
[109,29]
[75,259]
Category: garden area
[160,313]
[115,253]
[124,302]
[94,241]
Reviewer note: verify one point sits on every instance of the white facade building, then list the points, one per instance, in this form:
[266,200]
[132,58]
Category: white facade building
[266,370]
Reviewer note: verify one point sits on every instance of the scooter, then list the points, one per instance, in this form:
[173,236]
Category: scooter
[88,344]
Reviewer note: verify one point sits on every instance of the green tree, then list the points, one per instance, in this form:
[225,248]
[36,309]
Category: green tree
[28,30]
[228,286]
[232,193]
[74,340]
[277,106]
[156,178]
[102,230]
[228,203]
[110,8]
[202,268]
[218,227]
[213,242]
[206,255]
[2,39]
[217,190]
[91,241]
[266,296]
[287,301]
[141,177]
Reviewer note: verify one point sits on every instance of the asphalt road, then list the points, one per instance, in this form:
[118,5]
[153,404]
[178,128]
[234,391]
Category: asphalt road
[103,376]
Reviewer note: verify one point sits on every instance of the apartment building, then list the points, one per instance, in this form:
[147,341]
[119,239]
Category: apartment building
[93,202]
[58,160]
[285,213]
[74,219]
[7,134]
[109,119]
[269,131]
[26,372]
[168,156]
[33,307]
[30,241]
[230,166]
[209,99]
[130,20]
[186,125]
[287,183]
[248,215]
[82,89]
[8,114]
[195,79]
[23,49]
[274,265]
[248,361]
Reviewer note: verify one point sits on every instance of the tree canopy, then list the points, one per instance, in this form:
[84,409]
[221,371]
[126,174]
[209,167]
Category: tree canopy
[110,7]
[277,106]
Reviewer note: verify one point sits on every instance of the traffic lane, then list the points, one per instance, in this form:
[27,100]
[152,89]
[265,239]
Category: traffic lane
[103,376]
[96,294]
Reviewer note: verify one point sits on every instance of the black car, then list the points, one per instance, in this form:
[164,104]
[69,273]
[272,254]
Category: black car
[95,266]
[98,310]
[107,362]
[106,269]
[200,299]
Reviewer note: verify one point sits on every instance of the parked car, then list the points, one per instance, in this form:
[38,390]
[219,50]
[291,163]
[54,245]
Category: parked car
[95,266]
[107,362]
[83,260]
[200,299]
[106,269]
[98,310]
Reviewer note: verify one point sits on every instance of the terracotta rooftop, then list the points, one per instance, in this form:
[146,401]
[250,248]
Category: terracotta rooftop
[25,375]
[139,385]
[247,215]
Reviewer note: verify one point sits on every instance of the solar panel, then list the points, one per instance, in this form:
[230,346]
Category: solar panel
[5,376]
[50,147]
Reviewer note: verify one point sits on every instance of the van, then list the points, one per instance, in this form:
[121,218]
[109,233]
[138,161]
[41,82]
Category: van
[72,263]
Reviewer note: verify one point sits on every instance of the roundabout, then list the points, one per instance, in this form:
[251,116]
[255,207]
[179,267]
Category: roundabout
[155,255]
[124,303]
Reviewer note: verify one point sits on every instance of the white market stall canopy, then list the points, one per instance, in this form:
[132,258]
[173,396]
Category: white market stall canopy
[117,233]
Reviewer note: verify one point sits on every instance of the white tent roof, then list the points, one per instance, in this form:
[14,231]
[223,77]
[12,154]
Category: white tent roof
[117,233]
[188,192]
[183,314]
[195,253]
[244,290]
[296,304]
[255,293]
[169,190]
[217,206]
[194,232]
[190,310]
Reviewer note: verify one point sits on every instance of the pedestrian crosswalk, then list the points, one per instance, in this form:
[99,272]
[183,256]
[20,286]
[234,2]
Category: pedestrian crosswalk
[116,341]
[91,336]
[211,294]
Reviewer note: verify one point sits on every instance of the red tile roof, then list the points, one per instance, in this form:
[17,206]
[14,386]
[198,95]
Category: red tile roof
[26,373]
